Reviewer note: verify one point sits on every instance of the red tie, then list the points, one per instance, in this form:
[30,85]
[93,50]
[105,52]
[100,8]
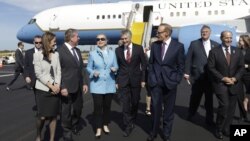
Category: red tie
[227,55]
[128,55]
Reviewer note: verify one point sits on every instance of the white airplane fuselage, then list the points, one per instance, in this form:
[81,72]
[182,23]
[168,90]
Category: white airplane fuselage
[111,18]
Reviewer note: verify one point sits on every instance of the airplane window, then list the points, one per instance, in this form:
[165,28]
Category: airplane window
[97,17]
[119,16]
[178,14]
[209,12]
[114,16]
[103,16]
[183,13]
[171,14]
[196,13]
[108,16]
[222,12]
[216,12]
[32,21]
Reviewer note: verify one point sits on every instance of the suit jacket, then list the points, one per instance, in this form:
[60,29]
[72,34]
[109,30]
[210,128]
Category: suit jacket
[217,65]
[43,68]
[29,70]
[19,65]
[74,76]
[196,60]
[132,73]
[105,82]
[169,71]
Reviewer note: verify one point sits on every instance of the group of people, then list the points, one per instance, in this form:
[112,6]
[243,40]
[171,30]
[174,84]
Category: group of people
[222,69]
[59,80]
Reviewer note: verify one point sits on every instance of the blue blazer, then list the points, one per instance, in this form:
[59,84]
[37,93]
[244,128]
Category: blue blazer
[105,82]
[169,71]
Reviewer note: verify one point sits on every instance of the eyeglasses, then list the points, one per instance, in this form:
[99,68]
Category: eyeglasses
[38,42]
[100,39]
[160,32]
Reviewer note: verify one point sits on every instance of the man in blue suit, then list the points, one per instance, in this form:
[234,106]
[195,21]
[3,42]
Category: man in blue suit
[166,66]
[196,72]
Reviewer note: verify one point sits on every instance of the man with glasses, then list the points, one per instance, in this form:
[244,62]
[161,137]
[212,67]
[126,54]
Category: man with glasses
[166,66]
[130,78]
[19,65]
[29,72]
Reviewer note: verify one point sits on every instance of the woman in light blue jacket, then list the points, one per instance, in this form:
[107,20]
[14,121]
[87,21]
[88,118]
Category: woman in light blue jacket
[102,67]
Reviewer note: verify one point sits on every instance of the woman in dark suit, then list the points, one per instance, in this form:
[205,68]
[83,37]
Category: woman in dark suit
[244,45]
[48,73]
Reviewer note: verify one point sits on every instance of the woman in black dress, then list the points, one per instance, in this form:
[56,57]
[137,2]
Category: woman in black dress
[244,45]
[48,73]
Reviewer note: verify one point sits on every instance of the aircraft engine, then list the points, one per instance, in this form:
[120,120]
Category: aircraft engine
[188,33]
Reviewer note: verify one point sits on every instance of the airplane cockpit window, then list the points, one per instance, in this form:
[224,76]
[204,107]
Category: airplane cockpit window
[32,21]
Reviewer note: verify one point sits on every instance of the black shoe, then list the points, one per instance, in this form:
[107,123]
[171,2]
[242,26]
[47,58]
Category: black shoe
[151,138]
[226,133]
[98,137]
[218,134]
[210,122]
[166,139]
[190,117]
[67,139]
[75,131]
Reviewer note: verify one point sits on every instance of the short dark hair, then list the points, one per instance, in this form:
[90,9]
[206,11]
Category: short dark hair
[20,44]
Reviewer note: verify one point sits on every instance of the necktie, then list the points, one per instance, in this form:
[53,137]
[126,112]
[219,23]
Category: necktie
[162,50]
[128,55]
[75,56]
[227,55]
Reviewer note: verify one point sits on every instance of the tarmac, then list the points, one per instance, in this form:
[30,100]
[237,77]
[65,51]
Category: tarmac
[17,117]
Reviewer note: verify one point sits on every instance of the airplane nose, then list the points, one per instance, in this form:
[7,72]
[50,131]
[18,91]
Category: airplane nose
[28,32]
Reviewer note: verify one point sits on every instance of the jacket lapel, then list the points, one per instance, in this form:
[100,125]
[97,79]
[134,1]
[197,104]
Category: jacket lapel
[68,53]
[203,47]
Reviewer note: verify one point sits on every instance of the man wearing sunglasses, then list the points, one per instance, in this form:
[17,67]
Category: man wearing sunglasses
[18,65]
[29,72]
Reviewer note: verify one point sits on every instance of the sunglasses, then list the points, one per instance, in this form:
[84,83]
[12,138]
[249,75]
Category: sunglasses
[100,39]
[38,42]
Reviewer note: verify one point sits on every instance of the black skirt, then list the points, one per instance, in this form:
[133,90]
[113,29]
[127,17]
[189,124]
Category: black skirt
[48,105]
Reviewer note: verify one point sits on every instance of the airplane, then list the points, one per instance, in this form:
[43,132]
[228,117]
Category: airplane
[142,18]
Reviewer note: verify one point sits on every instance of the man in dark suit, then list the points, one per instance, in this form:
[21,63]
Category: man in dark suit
[19,65]
[196,72]
[166,66]
[130,78]
[74,83]
[226,64]
[29,72]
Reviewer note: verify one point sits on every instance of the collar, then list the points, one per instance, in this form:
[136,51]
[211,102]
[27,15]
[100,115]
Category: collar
[68,46]
[167,41]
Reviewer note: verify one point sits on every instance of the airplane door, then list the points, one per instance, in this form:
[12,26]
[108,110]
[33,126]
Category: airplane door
[54,23]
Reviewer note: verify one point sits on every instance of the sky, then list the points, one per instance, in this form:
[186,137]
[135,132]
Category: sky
[16,13]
